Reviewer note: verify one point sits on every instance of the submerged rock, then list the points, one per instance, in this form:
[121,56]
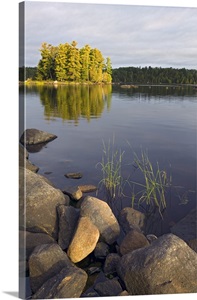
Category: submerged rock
[34,136]
[167,266]
[186,228]
[74,175]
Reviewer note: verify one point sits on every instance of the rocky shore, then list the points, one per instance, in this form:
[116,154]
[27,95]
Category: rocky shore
[70,252]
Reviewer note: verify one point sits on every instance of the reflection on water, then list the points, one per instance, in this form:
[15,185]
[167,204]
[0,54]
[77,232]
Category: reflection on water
[159,119]
[73,102]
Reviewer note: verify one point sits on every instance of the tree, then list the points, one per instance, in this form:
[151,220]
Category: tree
[46,65]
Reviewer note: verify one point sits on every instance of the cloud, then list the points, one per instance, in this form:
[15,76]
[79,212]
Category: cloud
[129,35]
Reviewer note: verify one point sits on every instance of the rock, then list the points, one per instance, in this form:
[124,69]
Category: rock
[73,192]
[32,240]
[68,218]
[68,283]
[186,227]
[34,136]
[102,217]
[111,263]
[38,204]
[74,175]
[130,218]
[84,240]
[24,161]
[108,288]
[167,266]
[88,188]
[46,261]
[101,250]
[132,241]
[193,244]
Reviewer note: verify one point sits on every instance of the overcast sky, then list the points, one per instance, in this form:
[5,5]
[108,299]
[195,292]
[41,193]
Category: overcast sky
[130,35]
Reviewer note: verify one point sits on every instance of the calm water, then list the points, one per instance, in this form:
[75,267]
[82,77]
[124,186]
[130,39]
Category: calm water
[161,120]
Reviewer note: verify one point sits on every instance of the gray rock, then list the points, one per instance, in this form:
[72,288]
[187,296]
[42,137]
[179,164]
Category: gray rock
[111,263]
[68,283]
[132,241]
[102,217]
[108,288]
[101,250]
[31,240]
[34,136]
[46,261]
[74,175]
[68,219]
[167,266]
[186,228]
[38,203]
[73,192]
[84,241]
[193,244]
[87,188]
[24,161]
[130,218]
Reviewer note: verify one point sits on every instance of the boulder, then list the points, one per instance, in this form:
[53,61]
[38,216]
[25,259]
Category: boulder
[31,240]
[186,228]
[68,218]
[46,261]
[84,240]
[38,202]
[193,244]
[68,283]
[111,263]
[24,161]
[132,241]
[34,136]
[167,266]
[108,288]
[130,218]
[102,217]
[73,192]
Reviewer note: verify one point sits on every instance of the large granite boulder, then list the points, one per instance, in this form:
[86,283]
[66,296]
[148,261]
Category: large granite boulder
[186,228]
[84,240]
[52,274]
[68,218]
[102,217]
[38,202]
[167,266]
[34,136]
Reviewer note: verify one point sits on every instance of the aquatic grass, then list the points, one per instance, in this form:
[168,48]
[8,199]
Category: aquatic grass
[153,189]
[111,167]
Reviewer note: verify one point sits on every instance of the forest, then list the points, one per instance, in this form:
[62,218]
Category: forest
[67,63]
[149,75]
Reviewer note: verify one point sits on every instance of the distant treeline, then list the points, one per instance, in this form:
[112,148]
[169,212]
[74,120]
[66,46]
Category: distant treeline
[67,62]
[149,75]
[146,75]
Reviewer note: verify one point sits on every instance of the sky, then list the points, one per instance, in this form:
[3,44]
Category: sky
[131,35]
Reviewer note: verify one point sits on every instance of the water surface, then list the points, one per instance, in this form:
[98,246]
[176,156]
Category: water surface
[160,120]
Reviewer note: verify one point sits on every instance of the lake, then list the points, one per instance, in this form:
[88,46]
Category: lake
[159,120]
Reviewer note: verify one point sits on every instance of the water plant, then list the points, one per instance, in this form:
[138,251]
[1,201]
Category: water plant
[111,167]
[153,188]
